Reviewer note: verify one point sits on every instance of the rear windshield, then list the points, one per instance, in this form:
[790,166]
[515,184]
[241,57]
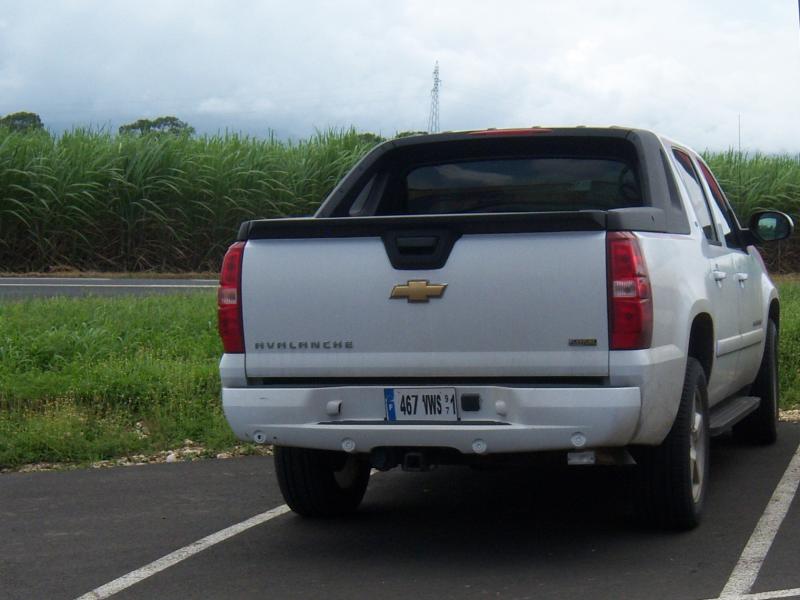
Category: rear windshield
[493,176]
[521,185]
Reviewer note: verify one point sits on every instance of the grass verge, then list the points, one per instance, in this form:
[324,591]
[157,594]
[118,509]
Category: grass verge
[90,379]
[790,341]
[94,378]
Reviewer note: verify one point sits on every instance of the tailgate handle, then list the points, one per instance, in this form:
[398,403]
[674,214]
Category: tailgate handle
[417,244]
[415,249]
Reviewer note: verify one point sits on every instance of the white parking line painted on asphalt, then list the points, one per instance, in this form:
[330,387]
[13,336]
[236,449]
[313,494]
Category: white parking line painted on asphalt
[109,285]
[773,595]
[746,571]
[165,562]
[794,592]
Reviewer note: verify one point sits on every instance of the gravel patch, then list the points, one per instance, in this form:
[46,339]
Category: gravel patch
[188,452]
[793,416]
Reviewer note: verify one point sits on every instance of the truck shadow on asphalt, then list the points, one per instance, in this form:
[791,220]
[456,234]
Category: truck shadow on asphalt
[514,513]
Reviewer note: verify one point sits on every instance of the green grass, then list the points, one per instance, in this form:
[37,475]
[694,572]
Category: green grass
[790,343]
[80,379]
[101,202]
[76,375]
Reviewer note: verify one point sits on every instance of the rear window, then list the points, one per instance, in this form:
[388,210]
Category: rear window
[541,174]
[538,184]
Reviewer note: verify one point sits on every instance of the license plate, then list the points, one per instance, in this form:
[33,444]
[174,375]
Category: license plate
[420,404]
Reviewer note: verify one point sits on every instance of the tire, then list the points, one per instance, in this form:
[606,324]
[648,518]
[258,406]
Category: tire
[321,483]
[761,426]
[673,477]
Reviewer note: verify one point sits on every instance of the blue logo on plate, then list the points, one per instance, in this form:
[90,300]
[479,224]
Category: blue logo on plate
[388,394]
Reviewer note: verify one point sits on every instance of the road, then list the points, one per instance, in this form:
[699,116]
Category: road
[449,533]
[15,288]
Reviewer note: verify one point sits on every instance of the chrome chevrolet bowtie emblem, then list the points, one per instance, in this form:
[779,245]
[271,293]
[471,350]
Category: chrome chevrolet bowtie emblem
[418,290]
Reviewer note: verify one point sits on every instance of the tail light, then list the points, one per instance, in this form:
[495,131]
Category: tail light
[229,300]
[630,305]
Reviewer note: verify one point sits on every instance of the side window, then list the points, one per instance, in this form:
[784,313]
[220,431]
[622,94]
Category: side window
[691,180]
[723,210]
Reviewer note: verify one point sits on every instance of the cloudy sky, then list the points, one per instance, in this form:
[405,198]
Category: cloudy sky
[688,69]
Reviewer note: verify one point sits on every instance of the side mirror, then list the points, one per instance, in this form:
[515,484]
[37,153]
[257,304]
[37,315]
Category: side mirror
[770,225]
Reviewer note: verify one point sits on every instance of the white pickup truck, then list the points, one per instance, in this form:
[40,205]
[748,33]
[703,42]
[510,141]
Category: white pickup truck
[501,294]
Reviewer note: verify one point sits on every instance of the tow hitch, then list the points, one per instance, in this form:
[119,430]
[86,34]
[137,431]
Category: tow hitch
[416,461]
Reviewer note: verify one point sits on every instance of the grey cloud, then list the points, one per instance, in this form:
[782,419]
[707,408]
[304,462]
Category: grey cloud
[685,69]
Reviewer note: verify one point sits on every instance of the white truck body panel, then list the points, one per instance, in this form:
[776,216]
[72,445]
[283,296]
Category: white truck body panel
[512,303]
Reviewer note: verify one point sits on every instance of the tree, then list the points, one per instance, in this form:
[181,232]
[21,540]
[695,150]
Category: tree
[403,134]
[22,121]
[370,138]
[171,125]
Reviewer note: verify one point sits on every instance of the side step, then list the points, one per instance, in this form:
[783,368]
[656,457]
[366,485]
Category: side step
[729,412]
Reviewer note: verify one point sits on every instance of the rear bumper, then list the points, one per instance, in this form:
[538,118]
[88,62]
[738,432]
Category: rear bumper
[510,419]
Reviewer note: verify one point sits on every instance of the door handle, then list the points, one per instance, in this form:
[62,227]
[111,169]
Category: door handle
[742,277]
[719,275]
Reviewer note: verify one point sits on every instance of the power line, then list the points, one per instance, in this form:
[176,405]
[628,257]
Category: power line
[433,117]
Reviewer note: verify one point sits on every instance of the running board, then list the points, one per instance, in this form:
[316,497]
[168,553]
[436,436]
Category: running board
[729,412]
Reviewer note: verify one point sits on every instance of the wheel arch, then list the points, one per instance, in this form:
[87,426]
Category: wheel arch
[701,342]
[774,312]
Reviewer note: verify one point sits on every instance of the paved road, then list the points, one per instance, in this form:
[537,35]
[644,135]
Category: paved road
[15,288]
[450,533]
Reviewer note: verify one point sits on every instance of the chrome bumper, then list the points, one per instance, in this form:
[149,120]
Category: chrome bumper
[510,419]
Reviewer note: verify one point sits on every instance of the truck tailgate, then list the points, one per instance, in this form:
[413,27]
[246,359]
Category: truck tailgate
[516,305]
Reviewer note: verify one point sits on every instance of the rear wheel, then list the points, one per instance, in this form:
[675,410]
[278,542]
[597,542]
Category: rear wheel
[673,476]
[321,483]
[761,426]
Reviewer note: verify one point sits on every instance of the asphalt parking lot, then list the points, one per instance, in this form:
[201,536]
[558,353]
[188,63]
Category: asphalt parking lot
[448,533]
[17,288]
